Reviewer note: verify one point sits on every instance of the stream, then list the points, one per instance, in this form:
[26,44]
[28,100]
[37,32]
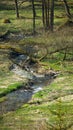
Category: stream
[17,98]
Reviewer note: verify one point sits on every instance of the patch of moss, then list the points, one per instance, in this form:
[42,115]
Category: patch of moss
[11,88]
[2,99]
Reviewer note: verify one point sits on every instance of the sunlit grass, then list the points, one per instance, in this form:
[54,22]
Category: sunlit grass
[10,88]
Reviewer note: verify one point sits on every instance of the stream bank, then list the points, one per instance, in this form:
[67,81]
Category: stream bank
[36,82]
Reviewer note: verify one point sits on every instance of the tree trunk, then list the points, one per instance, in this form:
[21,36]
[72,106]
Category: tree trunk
[33,8]
[48,9]
[16,8]
[46,14]
[67,8]
[52,15]
[43,15]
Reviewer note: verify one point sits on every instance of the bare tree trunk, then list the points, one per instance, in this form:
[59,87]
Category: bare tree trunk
[67,8]
[48,9]
[33,8]
[46,14]
[43,15]
[16,8]
[52,15]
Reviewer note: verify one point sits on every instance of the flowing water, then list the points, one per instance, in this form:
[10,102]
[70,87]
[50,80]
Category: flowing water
[20,96]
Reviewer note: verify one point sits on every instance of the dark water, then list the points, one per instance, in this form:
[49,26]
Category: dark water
[14,100]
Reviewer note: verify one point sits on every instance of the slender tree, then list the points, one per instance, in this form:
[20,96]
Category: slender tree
[16,8]
[48,12]
[34,15]
[52,15]
[45,13]
[67,8]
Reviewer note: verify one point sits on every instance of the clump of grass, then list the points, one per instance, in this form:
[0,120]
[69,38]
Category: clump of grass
[60,115]
[2,99]
[11,88]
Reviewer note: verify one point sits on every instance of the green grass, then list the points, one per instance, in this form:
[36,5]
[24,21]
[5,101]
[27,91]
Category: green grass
[10,88]
[2,99]
[25,21]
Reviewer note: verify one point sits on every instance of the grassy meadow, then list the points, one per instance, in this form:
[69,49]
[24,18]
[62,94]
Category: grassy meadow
[51,108]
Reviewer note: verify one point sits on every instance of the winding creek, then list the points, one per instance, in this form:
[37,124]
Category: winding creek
[22,95]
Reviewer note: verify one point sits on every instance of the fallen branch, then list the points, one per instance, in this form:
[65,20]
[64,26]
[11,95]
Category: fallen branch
[55,51]
[67,53]
[44,55]
[11,48]
[60,49]
[21,51]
